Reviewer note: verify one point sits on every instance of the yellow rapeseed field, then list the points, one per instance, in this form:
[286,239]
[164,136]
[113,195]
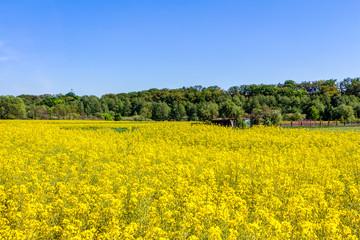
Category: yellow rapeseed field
[88,180]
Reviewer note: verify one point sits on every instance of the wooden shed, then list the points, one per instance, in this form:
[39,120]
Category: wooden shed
[231,122]
[226,122]
[248,121]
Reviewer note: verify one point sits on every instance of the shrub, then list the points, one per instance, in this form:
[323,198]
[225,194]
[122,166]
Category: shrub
[107,117]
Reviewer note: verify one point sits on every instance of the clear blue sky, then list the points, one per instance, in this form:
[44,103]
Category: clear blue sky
[112,46]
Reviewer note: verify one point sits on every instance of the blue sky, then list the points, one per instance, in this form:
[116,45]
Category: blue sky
[112,46]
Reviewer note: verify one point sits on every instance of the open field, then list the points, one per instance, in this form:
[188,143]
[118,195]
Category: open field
[174,180]
[330,128]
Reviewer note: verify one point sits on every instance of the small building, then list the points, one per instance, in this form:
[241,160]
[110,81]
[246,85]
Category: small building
[231,122]
[226,122]
[248,121]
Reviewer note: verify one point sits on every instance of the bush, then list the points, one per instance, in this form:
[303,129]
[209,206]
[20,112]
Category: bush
[117,117]
[272,117]
[99,116]
[293,116]
[107,117]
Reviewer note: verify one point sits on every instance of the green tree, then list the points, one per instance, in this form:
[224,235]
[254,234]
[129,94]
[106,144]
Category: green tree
[257,115]
[59,111]
[51,101]
[177,111]
[146,110]
[313,113]
[230,110]
[208,111]
[160,111]
[191,111]
[12,108]
[117,117]
[126,110]
[354,89]
[92,106]
[345,112]
[40,112]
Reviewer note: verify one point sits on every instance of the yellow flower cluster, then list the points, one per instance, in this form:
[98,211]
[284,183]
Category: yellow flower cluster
[85,180]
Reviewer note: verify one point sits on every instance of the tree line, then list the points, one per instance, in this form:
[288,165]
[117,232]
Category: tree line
[268,104]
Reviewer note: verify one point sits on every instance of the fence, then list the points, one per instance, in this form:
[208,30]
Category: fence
[309,123]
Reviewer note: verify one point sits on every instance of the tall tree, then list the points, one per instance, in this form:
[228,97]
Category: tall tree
[12,108]
[160,111]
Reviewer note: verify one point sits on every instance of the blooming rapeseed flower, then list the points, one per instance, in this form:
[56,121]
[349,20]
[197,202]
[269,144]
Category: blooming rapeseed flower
[85,180]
